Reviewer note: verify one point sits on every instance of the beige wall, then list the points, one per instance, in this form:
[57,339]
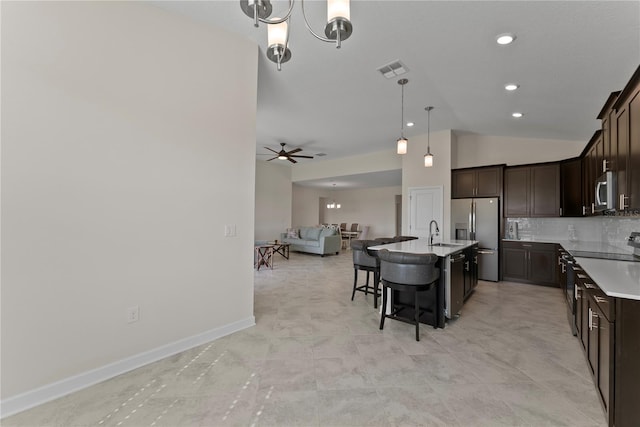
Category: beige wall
[414,174]
[480,150]
[273,200]
[373,207]
[370,162]
[306,205]
[128,143]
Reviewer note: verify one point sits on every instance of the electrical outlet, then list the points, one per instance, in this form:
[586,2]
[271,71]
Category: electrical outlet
[133,314]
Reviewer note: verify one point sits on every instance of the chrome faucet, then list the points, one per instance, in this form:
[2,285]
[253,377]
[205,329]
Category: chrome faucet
[437,233]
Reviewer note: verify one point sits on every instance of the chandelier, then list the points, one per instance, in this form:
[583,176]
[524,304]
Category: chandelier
[337,29]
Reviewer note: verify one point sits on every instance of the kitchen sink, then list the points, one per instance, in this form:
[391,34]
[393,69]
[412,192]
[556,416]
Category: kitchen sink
[447,245]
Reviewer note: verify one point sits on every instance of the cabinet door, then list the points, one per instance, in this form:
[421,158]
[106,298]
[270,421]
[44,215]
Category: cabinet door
[605,361]
[579,293]
[545,191]
[622,125]
[592,345]
[584,319]
[514,262]
[633,169]
[463,184]
[516,192]
[571,188]
[488,182]
[542,266]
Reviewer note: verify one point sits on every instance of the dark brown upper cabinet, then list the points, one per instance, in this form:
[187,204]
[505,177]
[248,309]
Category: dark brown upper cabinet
[477,182]
[627,130]
[532,191]
[571,196]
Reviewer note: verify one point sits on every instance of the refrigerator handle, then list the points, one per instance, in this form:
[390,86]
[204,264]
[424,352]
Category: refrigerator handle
[473,220]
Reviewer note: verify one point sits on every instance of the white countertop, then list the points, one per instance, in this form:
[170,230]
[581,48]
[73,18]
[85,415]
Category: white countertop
[421,246]
[616,278]
[619,279]
[577,245]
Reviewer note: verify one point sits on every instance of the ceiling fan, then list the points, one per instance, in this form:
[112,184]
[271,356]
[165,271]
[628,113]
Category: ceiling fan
[287,155]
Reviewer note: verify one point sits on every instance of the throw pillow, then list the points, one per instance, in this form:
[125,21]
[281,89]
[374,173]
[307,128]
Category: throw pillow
[292,233]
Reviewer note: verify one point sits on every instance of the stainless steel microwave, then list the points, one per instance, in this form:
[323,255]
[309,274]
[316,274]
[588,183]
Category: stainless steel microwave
[605,199]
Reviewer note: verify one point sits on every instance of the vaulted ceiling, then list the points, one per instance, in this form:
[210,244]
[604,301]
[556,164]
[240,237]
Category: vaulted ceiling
[567,58]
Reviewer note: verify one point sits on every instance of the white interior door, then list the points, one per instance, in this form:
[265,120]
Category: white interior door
[425,204]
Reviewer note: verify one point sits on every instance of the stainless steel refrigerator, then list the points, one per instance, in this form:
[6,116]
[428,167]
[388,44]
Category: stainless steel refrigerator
[477,219]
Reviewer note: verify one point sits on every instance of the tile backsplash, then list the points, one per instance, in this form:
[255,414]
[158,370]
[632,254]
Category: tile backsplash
[610,230]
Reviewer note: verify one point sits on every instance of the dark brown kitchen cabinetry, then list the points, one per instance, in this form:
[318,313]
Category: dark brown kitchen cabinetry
[609,332]
[592,165]
[529,262]
[476,182]
[627,129]
[609,135]
[470,270]
[532,191]
[571,197]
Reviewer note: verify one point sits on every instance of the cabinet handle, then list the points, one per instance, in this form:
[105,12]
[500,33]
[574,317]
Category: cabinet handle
[564,269]
[593,317]
[590,286]
[593,208]
[577,291]
[604,165]
[466,266]
[590,319]
[622,204]
[526,246]
[584,211]
[560,211]
[601,299]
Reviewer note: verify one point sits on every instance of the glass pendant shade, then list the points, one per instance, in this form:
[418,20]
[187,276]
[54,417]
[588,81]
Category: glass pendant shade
[277,34]
[338,9]
[428,160]
[402,145]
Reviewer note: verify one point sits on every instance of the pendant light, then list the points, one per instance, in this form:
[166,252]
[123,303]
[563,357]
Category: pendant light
[428,158]
[402,141]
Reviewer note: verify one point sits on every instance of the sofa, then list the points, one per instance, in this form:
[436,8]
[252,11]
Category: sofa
[313,240]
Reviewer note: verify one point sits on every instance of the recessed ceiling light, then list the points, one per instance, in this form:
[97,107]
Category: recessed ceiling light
[516,115]
[409,124]
[505,38]
[511,86]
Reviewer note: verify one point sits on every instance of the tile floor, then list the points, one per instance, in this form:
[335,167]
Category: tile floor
[315,358]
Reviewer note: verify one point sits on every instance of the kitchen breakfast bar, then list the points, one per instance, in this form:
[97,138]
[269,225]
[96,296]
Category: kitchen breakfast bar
[457,261]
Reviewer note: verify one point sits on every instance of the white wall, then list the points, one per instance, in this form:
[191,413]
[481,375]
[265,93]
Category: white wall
[273,200]
[480,150]
[414,174]
[306,205]
[128,142]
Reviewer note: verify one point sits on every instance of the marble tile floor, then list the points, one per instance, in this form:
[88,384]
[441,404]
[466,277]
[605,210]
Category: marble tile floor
[315,358]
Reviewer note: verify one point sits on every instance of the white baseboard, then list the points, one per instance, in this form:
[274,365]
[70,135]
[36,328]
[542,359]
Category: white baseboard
[32,398]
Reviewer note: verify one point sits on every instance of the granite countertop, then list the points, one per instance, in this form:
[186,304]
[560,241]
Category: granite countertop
[421,246]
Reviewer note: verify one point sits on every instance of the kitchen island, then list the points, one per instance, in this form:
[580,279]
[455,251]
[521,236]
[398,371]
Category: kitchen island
[457,261]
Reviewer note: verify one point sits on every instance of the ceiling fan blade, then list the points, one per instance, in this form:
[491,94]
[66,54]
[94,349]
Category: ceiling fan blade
[274,151]
[273,158]
[303,157]
[291,160]
[295,150]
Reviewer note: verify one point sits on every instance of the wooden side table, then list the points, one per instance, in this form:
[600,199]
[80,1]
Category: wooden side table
[264,256]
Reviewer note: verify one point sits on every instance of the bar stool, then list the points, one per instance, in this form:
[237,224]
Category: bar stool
[406,272]
[369,262]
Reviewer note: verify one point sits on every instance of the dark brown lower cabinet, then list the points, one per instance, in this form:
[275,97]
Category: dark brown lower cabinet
[609,332]
[534,263]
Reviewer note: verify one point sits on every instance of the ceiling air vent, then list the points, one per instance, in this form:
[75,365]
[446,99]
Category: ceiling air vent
[321,154]
[393,69]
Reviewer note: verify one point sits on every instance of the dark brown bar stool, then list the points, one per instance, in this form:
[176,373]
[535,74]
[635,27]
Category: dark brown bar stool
[365,260]
[406,272]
